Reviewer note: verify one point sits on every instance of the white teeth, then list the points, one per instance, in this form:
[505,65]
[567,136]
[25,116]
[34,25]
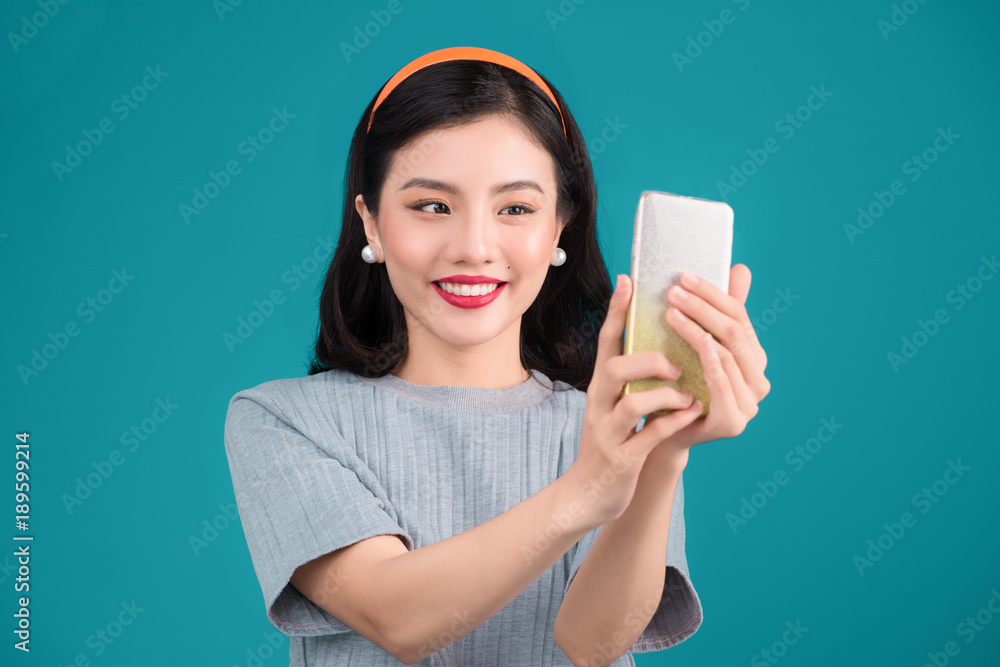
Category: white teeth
[468,290]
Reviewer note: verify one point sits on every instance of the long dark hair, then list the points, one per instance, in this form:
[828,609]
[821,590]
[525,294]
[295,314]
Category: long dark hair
[361,323]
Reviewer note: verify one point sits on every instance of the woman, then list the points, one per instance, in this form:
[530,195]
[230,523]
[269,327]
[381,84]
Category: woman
[459,451]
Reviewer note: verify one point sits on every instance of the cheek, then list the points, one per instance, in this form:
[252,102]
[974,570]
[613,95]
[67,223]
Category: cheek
[534,248]
[410,254]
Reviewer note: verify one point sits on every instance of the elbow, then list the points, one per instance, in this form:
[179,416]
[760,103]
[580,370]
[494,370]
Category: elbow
[400,652]
[566,647]
[594,660]
[406,659]
[576,655]
[575,659]
[399,646]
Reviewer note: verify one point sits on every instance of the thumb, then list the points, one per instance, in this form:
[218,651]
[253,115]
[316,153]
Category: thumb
[623,290]
[610,336]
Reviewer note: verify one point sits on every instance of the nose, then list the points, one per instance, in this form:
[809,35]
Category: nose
[473,237]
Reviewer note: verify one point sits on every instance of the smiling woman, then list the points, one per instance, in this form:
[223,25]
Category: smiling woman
[467,168]
[429,491]
[480,229]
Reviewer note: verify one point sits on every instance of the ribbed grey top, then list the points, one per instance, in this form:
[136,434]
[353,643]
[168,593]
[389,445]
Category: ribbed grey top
[321,462]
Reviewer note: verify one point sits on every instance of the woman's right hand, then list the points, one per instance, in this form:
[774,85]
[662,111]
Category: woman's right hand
[611,452]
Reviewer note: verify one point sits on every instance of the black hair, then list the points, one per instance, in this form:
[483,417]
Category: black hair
[361,321]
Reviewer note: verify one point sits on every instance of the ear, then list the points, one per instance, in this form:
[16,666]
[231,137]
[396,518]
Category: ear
[371,233]
[560,226]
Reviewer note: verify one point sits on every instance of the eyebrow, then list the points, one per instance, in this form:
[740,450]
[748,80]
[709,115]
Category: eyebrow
[430,183]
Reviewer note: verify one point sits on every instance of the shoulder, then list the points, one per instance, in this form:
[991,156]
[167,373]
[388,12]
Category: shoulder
[568,406]
[291,400]
[569,396]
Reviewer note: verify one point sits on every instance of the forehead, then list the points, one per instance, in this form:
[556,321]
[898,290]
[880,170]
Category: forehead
[493,147]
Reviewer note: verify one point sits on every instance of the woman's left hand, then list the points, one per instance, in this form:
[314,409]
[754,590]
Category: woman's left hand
[734,367]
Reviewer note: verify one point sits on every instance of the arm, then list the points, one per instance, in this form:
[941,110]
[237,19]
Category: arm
[432,596]
[619,585]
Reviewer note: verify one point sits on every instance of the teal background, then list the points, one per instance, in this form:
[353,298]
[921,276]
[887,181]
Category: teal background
[682,131]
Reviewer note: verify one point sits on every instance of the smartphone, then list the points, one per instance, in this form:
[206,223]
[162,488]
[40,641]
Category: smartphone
[673,234]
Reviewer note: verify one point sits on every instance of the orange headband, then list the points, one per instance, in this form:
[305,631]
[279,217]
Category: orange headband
[464,53]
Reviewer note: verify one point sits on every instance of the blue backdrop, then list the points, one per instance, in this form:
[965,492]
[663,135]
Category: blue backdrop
[169,168]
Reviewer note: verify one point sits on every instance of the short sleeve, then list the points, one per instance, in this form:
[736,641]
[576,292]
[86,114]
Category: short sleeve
[679,613]
[298,500]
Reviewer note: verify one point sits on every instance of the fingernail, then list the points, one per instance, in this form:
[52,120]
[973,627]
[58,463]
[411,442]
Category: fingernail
[618,282]
[695,407]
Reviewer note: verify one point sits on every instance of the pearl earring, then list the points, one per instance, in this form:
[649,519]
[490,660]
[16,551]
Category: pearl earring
[369,253]
[558,257]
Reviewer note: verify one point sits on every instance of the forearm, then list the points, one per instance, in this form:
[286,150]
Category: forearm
[434,595]
[620,583]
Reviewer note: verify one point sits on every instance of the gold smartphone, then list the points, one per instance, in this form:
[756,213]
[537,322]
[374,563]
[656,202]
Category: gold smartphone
[673,234]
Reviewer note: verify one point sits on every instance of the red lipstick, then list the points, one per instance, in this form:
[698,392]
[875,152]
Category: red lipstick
[469,301]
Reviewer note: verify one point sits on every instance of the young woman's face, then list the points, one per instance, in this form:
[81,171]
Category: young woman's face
[475,202]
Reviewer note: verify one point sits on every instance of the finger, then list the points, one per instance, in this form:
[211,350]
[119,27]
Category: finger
[739,288]
[655,431]
[746,401]
[723,404]
[728,331]
[704,344]
[730,305]
[713,295]
[626,367]
[739,282]
[632,407]
[609,338]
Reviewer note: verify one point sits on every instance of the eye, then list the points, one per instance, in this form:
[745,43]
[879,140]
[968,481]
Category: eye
[419,206]
[527,209]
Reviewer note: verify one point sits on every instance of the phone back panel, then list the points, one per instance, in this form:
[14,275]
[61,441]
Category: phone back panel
[673,234]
